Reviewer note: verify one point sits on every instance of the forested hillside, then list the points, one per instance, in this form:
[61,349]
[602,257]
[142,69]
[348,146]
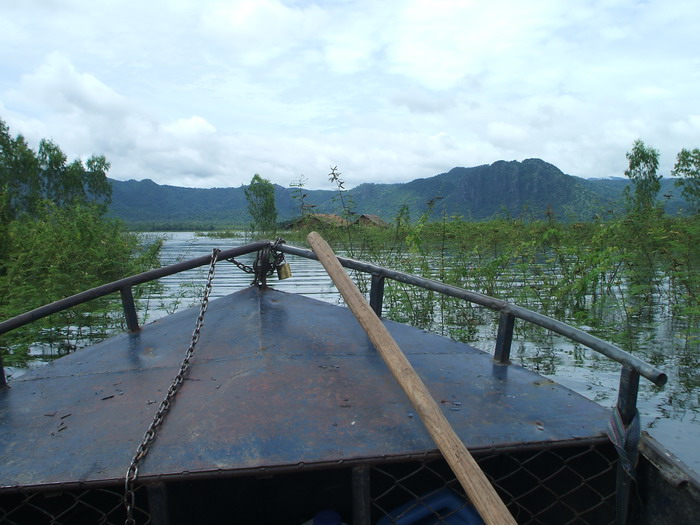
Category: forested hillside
[532,189]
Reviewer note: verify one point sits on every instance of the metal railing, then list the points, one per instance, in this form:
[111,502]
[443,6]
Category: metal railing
[632,367]
[124,287]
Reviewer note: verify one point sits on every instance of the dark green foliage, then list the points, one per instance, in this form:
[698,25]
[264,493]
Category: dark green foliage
[611,193]
[29,178]
[19,180]
[161,207]
[531,190]
[521,189]
[601,274]
[55,242]
[643,165]
[618,276]
[688,169]
[60,252]
[260,195]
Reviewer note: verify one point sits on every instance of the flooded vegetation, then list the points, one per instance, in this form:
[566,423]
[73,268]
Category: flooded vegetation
[577,273]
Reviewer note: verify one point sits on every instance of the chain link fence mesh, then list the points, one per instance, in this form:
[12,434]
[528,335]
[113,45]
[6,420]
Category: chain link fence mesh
[549,485]
[104,506]
[552,484]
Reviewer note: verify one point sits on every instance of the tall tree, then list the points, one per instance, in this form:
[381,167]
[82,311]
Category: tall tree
[28,177]
[55,176]
[643,165]
[67,184]
[19,174]
[55,240]
[688,169]
[97,186]
[260,195]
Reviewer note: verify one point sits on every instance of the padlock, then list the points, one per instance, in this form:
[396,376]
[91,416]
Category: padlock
[284,271]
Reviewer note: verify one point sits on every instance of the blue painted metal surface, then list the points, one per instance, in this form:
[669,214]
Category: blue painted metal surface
[277,381]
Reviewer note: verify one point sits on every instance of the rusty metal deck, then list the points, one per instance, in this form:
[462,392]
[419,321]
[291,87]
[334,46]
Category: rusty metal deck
[278,380]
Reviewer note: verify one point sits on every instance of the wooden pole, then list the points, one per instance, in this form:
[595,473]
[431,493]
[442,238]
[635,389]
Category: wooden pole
[477,487]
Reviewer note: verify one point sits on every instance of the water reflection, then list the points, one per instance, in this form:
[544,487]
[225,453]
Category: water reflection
[185,289]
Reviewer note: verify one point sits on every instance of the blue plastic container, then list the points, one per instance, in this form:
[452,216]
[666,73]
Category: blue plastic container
[442,506]
[325,517]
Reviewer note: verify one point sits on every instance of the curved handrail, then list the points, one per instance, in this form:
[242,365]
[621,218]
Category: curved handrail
[644,369]
[127,282]
[613,352]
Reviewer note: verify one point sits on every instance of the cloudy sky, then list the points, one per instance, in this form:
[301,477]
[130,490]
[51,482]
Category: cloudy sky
[206,93]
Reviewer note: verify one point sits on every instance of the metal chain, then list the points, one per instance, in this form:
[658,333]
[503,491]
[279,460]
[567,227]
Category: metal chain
[150,435]
[244,267]
[261,267]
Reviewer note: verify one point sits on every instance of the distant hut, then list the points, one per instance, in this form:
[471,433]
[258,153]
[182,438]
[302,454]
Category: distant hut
[313,220]
[369,219]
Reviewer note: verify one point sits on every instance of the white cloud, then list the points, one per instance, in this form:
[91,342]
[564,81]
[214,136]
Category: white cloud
[207,93]
[253,32]
[194,126]
[505,134]
[58,85]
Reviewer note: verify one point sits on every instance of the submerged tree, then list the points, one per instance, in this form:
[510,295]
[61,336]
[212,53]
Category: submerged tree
[260,195]
[643,165]
[299,194]
[342,196]
[688,169]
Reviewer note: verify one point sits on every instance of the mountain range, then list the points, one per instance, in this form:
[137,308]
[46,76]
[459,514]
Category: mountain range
[531,189]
